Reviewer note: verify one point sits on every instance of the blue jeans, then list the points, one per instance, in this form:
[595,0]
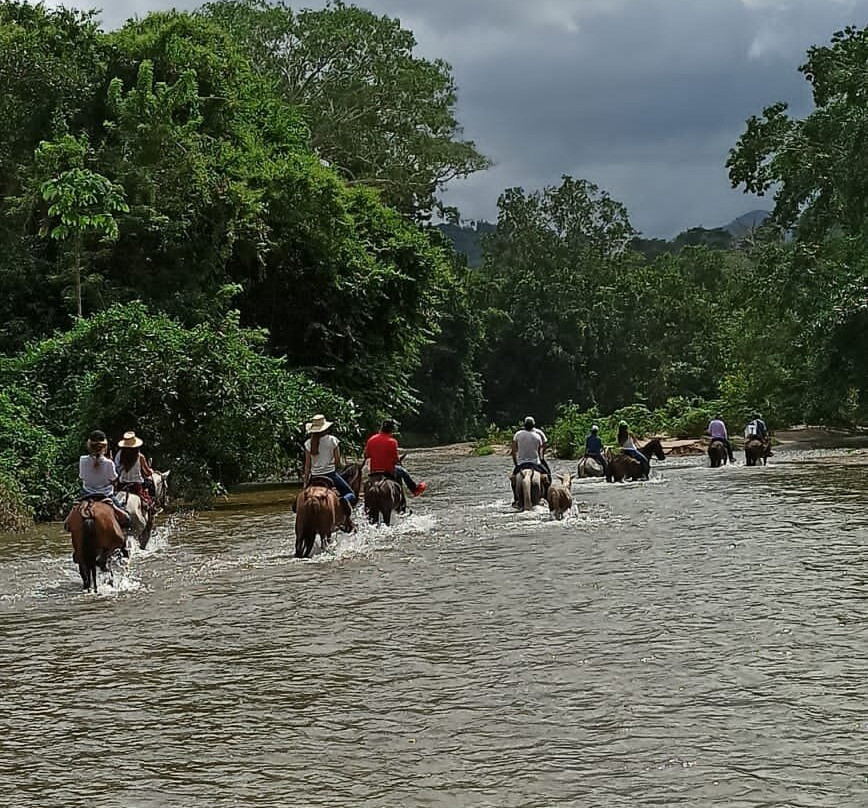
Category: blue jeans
[403,476]
[343,487]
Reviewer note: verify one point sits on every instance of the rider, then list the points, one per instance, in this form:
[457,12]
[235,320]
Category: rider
[717,430]
[381,449]
[322,458]
[542,452]
[628,446]
[527,448]
[594,448]
[98,474]
[757,429]
[134,472]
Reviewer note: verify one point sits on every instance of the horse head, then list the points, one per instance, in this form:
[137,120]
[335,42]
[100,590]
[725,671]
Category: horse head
[655,448]
[161,488]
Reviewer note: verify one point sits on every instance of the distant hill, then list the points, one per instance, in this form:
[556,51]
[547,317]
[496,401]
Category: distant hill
[467,238]
[744,224]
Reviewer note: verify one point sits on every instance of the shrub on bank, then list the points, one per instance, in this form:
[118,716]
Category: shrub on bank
[208,403]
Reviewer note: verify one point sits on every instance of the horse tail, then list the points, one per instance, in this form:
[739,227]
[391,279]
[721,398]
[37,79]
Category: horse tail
[526,480]
[89,547]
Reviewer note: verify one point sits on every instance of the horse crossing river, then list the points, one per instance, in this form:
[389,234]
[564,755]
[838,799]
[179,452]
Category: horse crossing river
[698,640]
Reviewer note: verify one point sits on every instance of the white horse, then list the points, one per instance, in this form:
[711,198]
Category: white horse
[141,517]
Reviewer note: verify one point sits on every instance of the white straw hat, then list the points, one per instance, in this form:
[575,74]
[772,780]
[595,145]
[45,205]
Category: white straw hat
[317,424]
[130,441]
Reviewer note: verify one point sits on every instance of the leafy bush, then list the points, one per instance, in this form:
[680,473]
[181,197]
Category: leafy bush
[208,404]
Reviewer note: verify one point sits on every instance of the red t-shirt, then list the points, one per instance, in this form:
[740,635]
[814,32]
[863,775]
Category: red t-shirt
[382,450]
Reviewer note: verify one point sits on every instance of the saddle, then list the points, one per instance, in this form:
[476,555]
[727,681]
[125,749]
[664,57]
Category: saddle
[320,482]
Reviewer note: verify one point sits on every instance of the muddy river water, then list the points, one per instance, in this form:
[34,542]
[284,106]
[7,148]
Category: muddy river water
[697,640]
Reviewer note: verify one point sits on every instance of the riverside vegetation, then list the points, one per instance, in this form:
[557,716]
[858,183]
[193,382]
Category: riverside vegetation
[213,224]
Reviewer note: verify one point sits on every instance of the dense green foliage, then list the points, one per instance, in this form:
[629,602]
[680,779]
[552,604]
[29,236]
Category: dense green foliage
[212,406]
[214,224]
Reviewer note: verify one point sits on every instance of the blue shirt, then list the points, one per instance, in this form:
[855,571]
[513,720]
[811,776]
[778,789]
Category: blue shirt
[593,444]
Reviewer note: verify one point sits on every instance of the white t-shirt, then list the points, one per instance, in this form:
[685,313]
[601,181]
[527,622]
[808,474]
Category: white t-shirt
[541,434]
[134,475]
[528,444]
[323,462]
[97,479]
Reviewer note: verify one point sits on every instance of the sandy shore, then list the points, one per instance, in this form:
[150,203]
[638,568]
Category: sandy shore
[852,444]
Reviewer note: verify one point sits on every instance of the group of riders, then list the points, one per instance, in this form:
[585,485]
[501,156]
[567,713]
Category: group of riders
[322,459]
[103,478]
[529,444]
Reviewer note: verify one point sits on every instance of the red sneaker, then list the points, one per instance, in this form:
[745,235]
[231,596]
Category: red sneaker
[420,489]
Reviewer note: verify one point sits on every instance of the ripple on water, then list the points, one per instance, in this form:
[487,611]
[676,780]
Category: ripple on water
[696,640]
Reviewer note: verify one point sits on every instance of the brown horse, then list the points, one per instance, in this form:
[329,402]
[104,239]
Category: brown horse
[755,450]
[319,512]
[716,454]
[622,466]
[383,496]
[559,497]
[96,534]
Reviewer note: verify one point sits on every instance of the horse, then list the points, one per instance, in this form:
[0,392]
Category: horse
[717,454]
[383,496]
[319,512]
[755,450]
[352,474]
[96,534]
[141,516]
[588,467]
[559,497]
[622,466]
[528,488]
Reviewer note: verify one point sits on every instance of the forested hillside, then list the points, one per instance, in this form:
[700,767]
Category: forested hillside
[214,224]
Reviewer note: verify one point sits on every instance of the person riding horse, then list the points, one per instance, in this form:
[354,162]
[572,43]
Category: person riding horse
[134,472]
[98,474]
[381,451]
[717,431]
[322,458]
[594,449]
[628,446]
[527,450]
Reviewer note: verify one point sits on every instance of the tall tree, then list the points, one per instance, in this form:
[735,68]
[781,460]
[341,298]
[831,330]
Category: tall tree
[380,115]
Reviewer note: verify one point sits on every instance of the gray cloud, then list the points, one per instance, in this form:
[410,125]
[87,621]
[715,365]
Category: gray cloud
[644,97]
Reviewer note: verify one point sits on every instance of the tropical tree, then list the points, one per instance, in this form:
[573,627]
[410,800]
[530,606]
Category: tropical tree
[378,114]
[81,204]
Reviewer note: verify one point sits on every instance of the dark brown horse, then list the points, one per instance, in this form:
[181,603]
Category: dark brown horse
[756,450]
[622,466]
[383,496]
[353,476]
[96,534]
[318,512]
[716,454]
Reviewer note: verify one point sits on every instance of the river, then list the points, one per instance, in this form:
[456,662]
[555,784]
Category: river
[698,640]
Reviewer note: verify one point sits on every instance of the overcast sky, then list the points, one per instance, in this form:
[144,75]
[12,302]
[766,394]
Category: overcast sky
[643,97]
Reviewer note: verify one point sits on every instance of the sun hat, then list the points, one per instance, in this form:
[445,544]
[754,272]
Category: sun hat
[595,428]
[130,441]
[97,437]
[317,424]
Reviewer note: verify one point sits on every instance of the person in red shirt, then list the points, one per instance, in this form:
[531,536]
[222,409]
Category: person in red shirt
[381,450]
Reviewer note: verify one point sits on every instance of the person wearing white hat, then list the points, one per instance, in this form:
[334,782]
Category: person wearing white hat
[322,458]
[134,471]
